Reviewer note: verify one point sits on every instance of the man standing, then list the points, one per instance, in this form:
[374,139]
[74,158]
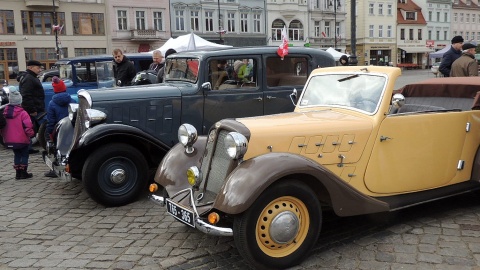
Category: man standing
[451,55]
[161,71]
[123,69]
[157,61]
[32,92]
[466,65]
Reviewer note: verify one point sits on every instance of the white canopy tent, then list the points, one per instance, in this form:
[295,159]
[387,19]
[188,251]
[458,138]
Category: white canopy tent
[189,42]
[336,54]
[439,54]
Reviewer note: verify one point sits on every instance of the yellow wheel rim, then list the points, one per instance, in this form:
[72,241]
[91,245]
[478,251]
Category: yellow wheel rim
[262,231]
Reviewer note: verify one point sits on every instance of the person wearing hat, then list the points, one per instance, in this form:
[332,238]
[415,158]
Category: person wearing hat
[17,133]
[343,60]
[451,55]
[466,65]
[32,92]
[57,110]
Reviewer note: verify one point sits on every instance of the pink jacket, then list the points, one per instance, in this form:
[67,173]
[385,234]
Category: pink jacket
[19,128]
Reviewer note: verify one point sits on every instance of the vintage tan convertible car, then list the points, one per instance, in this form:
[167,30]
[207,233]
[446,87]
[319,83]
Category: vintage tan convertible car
[353,145]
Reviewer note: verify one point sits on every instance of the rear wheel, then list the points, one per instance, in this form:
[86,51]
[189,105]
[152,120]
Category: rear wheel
[115,174]
[281,227]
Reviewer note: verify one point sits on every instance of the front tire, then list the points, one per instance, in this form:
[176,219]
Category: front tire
[281,227]
[42,141]
[115,174]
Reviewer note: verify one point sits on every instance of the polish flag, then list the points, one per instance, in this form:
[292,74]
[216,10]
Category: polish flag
[283,48]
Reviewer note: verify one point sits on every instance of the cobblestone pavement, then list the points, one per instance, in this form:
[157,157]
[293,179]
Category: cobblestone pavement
[52,224]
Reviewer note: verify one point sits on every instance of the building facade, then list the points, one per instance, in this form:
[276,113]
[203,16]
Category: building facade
[47,30]
[138,26]
[326,24]
[466,20]
[230,22]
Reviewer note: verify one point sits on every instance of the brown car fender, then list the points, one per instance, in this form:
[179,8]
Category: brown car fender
[253,176]
[172,171]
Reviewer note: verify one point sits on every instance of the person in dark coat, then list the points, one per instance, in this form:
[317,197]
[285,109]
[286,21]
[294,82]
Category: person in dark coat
[57,110]
[161,72]
[157,61]
[123,69]
[32,93]
[451,55]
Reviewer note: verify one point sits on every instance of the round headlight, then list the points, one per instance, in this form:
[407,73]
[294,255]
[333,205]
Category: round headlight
[193,176]
[236,145]
[187,135]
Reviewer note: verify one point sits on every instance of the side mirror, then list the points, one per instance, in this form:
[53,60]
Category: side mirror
[293,96]
[207,86]
[398,100]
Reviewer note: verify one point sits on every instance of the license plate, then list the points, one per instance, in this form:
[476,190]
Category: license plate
[181,213]
[49,163]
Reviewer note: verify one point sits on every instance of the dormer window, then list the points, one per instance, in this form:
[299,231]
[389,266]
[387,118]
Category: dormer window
[469,2]
[410,15]
[402,1]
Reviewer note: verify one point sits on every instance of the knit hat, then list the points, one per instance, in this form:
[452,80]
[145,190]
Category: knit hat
[58,85]
[14,97]
[457,39]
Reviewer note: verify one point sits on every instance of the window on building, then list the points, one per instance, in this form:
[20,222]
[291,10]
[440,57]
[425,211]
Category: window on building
[380,9]
[461,17]
[40,23]
[389,31]
[6,22]
[380,31]
[467,18]
[445,17]
[317,28]
[277,27]
[410,34]
[158,21]
[208,21]
[430,16]
[467,35]
[402,34]
[47,56]
[122,19]
[389,9]
[429,33]
[455,17]
[9,63]
[370,8]
[410,15]
[445,35]
[437,36]
[194,20]
[474,18]
[88,23]
[295,30]
[231,21]
[326,29]
[244,22]
[371,29]
[140,20]
[438,16]
[179,20]
[478,36]
[257,23]
[89,51]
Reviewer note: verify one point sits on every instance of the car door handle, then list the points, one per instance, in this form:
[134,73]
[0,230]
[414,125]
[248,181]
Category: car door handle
[270,97]
[259,98]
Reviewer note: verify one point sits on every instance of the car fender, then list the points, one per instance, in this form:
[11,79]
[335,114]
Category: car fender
[243,186]
[102,131]
[172,171]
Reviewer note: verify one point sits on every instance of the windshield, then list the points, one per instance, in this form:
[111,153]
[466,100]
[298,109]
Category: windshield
[65,72]
[354,90]
[181,69]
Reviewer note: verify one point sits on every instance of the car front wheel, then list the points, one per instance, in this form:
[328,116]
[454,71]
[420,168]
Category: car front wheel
[115,174]
[281,226]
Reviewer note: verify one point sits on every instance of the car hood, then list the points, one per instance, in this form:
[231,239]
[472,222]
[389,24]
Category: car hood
[320,135]
[153,91]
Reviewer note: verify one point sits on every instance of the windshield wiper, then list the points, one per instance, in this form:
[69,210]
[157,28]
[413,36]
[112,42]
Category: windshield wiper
[348,78]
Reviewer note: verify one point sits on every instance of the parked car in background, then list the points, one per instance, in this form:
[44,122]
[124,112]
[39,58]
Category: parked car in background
[348,147]
[119,136]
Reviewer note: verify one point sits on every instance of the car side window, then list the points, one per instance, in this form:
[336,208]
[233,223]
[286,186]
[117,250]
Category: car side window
[232,73]
[291,71]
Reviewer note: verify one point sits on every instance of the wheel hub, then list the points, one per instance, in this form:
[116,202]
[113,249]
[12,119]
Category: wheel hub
[117,176]
[284,227]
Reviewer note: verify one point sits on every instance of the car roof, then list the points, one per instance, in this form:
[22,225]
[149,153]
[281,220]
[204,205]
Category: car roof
[102,57]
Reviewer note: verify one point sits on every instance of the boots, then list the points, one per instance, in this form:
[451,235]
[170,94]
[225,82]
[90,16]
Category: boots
[18,170]
[23,172]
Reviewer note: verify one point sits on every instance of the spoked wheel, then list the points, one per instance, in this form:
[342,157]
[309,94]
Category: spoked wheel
[281,227]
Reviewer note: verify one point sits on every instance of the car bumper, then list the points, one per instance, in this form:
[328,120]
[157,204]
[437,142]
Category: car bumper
[54,166]
[200,224]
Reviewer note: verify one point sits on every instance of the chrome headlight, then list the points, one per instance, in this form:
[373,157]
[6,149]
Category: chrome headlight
[187,136]
[94,117]
[236,145]
[72,109]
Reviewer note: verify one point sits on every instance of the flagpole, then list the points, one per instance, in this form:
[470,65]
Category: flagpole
[219,22]
[57,51]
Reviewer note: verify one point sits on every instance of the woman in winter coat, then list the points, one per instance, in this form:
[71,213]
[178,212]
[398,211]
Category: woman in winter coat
[17,133]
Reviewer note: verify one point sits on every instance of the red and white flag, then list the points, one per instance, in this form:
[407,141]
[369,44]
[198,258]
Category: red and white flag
[323,34]
[283,48]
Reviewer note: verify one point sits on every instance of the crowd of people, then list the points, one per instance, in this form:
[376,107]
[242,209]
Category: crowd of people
[459,60]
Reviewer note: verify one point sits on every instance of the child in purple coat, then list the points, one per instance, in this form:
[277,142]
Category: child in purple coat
[17,133]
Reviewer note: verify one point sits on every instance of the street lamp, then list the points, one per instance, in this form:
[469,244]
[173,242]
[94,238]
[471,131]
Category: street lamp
[57,50]
[219,23]
[336,3]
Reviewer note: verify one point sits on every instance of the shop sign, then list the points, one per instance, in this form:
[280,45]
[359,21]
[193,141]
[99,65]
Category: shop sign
[7,43]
